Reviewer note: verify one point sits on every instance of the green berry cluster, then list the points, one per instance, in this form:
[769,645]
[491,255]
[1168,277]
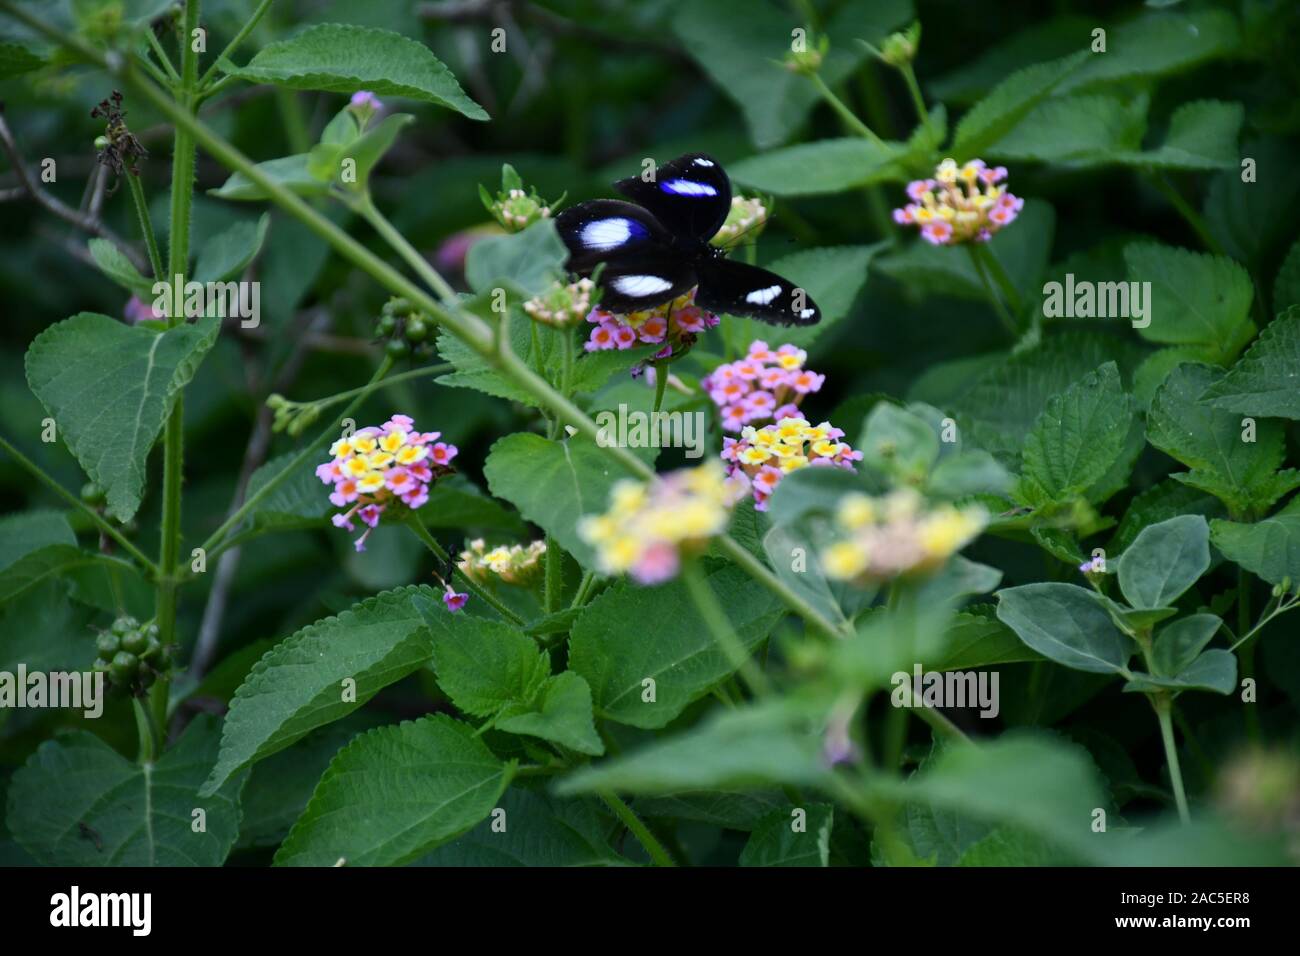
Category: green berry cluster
[131,655]
[406,329]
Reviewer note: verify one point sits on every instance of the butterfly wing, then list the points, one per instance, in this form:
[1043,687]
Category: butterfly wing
[691,196]
[735,288]
[641,268]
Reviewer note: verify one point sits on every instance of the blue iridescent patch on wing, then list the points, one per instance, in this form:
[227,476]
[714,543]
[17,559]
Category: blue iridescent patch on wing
[687,187]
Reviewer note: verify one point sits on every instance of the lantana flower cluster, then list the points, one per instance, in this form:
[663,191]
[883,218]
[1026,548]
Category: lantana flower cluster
[513,564]
[379,468]
[764,386]
[650,526]
[761,457]
[896,534]
[960,204]
[673,325]
[562,305]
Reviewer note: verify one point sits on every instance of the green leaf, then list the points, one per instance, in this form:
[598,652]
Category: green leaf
[481,664]
[1163,500]
[1269,549]
[300,684]
[821,168]
[1164,561]
[1215,670]
[1178,644]
[757,745]
[1011,846]
[227,254]
[554,484]
[46,631]
[78,802]
[1067,624]
[740,45]
[395,793]
[15,60]
[974,472]
[728,809]
[540,830]
[109,388]
[114,264]
[296,502]
[1286,287]
[1074,130]
[777,842]
[291,172]
[1159,44]
[1243,474]
[561,712]
[672,645]
[1266,380]
[531,260]
[1196,298]
[340,58]
[1008,102]
[977,638]
[1080,435]
[326,161]
[1202,135]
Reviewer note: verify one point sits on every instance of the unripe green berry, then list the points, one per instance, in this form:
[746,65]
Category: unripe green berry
[92,494]
[397,348]
[417,330]
[152,649]
[386,325]
[107,644]
[122,667]
[124,625]
[102,142]
[135,643]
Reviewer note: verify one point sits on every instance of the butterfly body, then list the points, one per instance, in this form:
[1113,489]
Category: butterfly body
[656,247]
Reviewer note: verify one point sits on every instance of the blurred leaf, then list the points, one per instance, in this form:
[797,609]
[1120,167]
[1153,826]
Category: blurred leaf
[1011,100]
[1195,298]
[813,169]
[114,264]
[1159,44]
[291,172]
[1268,548]
[1075,130]
[226,255]
[339,58]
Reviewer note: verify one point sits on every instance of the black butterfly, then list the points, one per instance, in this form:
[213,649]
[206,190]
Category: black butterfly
[658,249]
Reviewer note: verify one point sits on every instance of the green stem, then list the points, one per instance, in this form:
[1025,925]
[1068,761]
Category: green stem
[409,253]
[239,38]
[421,532]
[847,115]
[982,259]
[661,383]
[163,58]
[715,618]
[554,579]
[364,390]
[253,500]
[174,434]
[1161,703]
[1247,655]
[639,830]
[918,101]
[584,587]
[99,521]
[146,227]
[1192,217]
[146,731]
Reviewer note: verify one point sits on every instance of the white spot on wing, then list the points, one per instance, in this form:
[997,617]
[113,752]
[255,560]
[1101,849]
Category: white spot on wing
[807,313]
[605,234]
[763,296]
[637,286]
[689,187]
[700,161]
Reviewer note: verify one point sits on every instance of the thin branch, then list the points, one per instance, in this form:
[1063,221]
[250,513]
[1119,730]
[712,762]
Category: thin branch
[82,221]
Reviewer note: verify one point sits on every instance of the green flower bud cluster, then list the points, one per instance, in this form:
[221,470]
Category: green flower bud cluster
[407,330]
[514,208]
[899,49]
[131,655]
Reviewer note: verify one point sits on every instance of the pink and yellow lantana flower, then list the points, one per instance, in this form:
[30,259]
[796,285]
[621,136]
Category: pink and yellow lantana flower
[376,469]
[764,386]
[761,457]
[674,325]
[960,204]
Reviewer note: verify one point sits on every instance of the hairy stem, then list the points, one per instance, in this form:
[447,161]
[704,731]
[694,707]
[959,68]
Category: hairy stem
[638,829]
[1162,703]
[146,227]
